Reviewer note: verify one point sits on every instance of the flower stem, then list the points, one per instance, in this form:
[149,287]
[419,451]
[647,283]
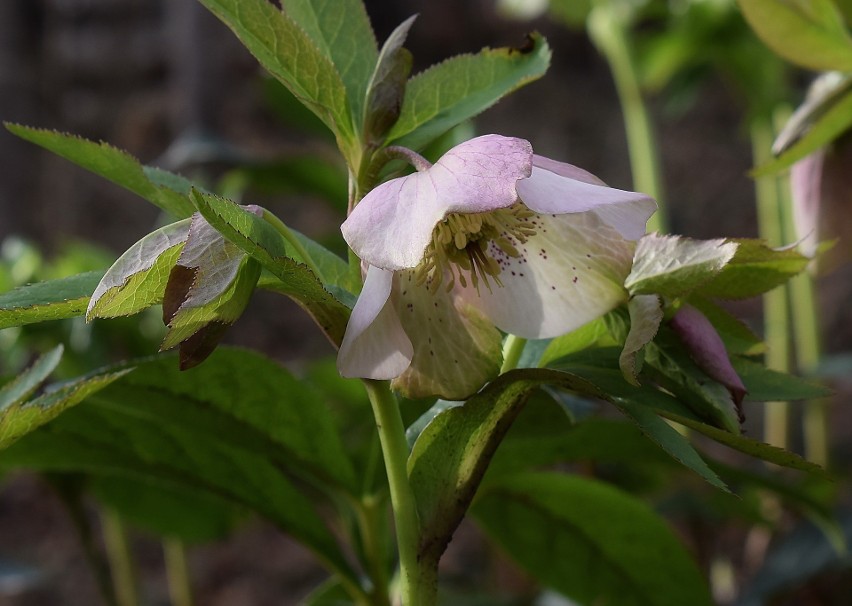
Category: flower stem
[177,572]
[512,350]
[610,34]
[775,304]
[120,559]
[418,586]
[293,241]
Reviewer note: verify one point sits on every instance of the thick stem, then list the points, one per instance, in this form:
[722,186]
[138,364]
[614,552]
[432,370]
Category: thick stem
[775,305]
[418,586]
[177,572]
[611,36]
[120,558]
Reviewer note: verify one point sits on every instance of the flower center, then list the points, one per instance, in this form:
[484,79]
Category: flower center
[461,244]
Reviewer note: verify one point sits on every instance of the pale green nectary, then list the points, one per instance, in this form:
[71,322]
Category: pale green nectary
[490,237]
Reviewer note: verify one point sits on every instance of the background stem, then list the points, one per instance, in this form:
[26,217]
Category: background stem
[120,558]
[177,571]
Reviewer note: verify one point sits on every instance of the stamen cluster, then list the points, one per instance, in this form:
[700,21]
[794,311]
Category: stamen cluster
[460,244]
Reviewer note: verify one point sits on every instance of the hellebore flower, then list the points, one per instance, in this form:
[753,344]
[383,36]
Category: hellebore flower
[490,235]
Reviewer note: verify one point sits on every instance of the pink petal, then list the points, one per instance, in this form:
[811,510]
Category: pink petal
[556,188]
[805,185]
[707,349]
[569,273]
[374,346]
[392,226]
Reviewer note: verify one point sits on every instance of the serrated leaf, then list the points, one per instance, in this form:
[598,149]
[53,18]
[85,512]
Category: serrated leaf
[766,385]
[296,280]
[23,385]
[646,314]
[810,33]
[387,85]
[461,87]
[673,266]
[239,428]
[20,418]
[138,277]
[113,164]
[589,541]
[291,56]
[836,120]
[754,269]
[208,288]
[341,30]
[672,367]
[50,300]
[759,450]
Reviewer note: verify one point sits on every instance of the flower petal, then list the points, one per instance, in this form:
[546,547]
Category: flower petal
[392,226]
[456,348]
[707,349]
[374,346]
[569,273]
[557,188]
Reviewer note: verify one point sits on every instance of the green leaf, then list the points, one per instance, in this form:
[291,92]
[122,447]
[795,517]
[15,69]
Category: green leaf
[51,300]
[669,439]
[836,120]
[23,385]
[239,427]
[341,30]
[759,450]
[765,385]
[755,269]
[646,314]
[593,333]
[387,85]
[138,278]
[113,164]
[166,509]
[20,418]
[669,365]
[260,240]
[451,455]
[211,283]
[810,33]
[461,87]
[673,266]
[291,56]
[590,541]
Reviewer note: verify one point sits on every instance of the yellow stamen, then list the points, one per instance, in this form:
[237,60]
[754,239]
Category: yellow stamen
[460,245]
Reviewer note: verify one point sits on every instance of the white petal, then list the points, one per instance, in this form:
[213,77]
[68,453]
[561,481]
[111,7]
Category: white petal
[456,348]
[557,188]
[392,226]
[569,273]
[374,345]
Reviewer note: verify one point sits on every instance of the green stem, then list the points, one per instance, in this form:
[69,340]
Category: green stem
[370,510]
[418,585]
[177,572]
[512,350]
[775,304]
[610,34]
[291,239]
[120,558]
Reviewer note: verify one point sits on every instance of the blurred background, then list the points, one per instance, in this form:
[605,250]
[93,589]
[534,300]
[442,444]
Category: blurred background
[165,81]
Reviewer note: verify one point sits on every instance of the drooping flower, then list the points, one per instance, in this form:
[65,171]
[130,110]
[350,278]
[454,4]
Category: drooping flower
[490,236]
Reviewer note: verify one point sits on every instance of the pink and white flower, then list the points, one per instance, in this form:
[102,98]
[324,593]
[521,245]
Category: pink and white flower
[491,236]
